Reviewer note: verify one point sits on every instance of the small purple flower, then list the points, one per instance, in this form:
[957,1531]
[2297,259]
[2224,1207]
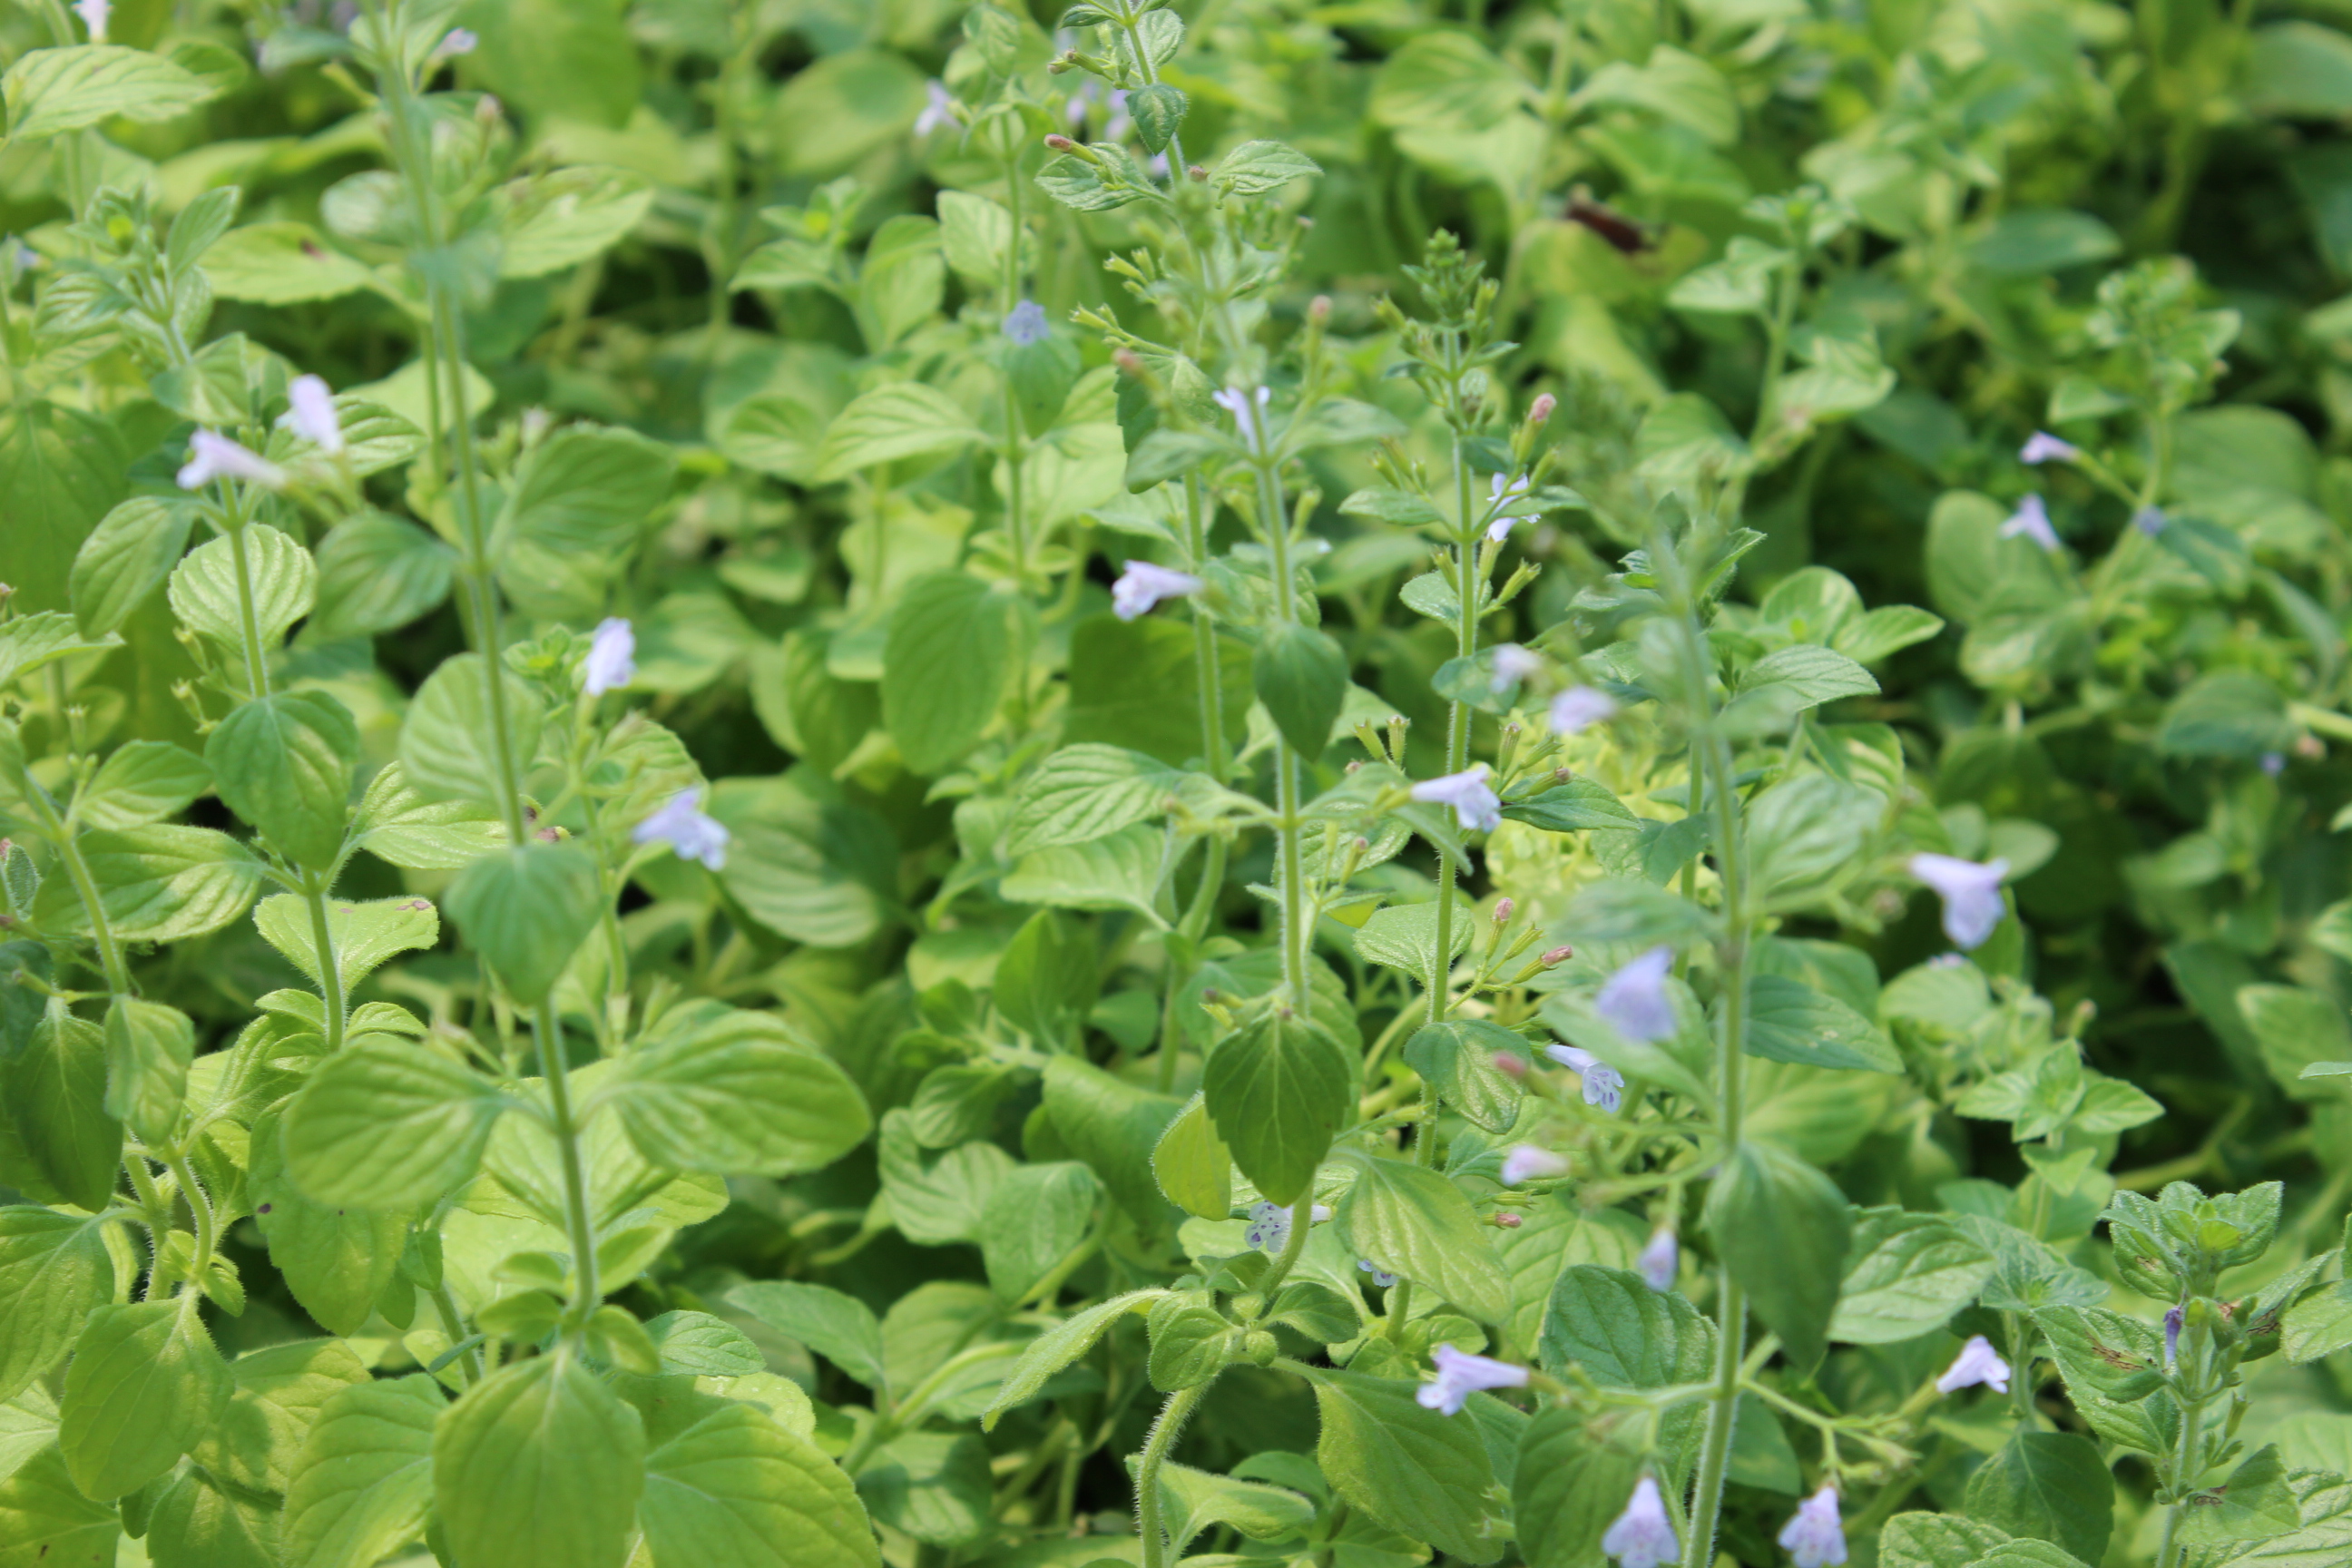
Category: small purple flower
[211,456]
[1816,1537]
[1643,1536]
[311,414]
[1635,1001]
[1514,664]
[2173,1319]
[1461,1374]
[1121,123]
[1475,802]
[1947,961]
[1977,1362]
[683,825]
[2274,763]
[2044,448]
[1075,111]
[1526,1162]
[2150,520]
[455,42]
[1660,1261]
[1142,586]
[1025,323]
[1509,505]
[2031,520]
[1270,1223]
[1158,167]
[939,108]
[1247,409]
[1381,1277]
[1604,1086]
[93,15]
[612,658]
[1580,708]
[1971,895]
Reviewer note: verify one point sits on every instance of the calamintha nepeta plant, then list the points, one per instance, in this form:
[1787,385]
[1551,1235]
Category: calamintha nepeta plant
[1148,857]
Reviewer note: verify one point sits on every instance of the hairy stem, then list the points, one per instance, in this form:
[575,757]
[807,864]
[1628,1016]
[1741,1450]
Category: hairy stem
[330,977]
[1148,1520]
[549,1029]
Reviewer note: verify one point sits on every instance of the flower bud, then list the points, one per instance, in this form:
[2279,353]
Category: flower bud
[1559,954]
[1507,1220]
[1059,142]
[1503,909]
[1318,309]
[1541,408]
[1128,360]
[1196,173]
[1511,1064]
[1261,1347]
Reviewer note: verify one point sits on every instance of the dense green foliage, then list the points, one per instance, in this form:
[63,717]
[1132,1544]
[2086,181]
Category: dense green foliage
[789,784]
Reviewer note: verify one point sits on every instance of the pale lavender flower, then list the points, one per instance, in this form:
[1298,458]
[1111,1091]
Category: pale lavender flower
[1269,1229]
[1526,1162]
[1247,409]
[1580,708]
[1158,167]
[2174,1318]
[1142,586]
[683,825]
[1461,1374]
[1815,1537]
[1634,1001]
[1381,1277]
[1121,123]
[1075,111]
[455,42]
[1604,1086]
[612,658]
[311,414]
[1025,323]
[2274,763]
[93,15]
[937,110]
[2031,520]
[1510,497]
[1514,664]
[536,423]
[1643,1536]
[1971,895]
[211,456]
[1660,1261]
[1475,802]
[2043,447]
[1977,1362]
[1947,961]
[2150,521]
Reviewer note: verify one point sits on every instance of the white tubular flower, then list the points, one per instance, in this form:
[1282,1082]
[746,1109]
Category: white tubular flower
[1971,895]
[1977,1362]
[1142,586]
[939,108]
[1514,664]
[1604,1086]
[1461,1374]
[1270,1223]
[1815,1537]
[612,658]
[683,825]
[93,15]
[1580,708]
[211,456]
[1475,805]
[311,414]
[1660,1261]
[1634,1000]
[455,42]
[1381,1277]
[1247,409]
[1511,498]
[1643,1536]
[1526,1162]
[2044,448]
[2031,520]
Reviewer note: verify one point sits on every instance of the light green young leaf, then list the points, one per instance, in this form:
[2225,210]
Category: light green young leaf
[54,1268]
[284,580]
[1779,686]
[1789,1021]
[559,217]
[279,1394]
[1416,1224]
[199,1519]
[52,91]
[156,883]
[1781,1229]
[148,1048]
[1278,1091]
[838,1327]
[738,1095]
[144,1387]
[587,490]
[890,424]
[29,642]
[736,1491]
[44,1517]
[282,264]
[1192,1165]
[1457,1057]
[363,936]
[127,557]
[1256,167]
[697,1344]
[951,648]
[447,746]
[1087,792]
[398,825]
[142,782]
[1419,1473]
[1404,936]
[337,1261]
[1060,1346]
[1908,1273]
[539,1465]
[1037,1216]
[284,763]
[387,1124]
[937,1199]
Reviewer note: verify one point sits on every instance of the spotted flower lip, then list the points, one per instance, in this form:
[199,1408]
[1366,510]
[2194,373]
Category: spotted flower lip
[1580,708]
[612,658]
[211,456]
[1025,323]
[311,414]
[1526,1162]
[1643,1536]
[1475,805]
[1971,895]
[1270,1223]
[1815,1536]
[1143,585]
[2031,520]
[686,828]
[1461,1374]
[1633,1000]
[1977,1362]
[1604,1086]
[1381,1277]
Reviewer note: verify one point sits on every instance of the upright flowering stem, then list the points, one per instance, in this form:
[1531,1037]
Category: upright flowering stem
[1457,741]
[1016,524]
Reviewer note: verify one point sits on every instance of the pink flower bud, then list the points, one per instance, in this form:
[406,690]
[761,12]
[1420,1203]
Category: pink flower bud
[1059,142]
[1503,909]
[1507,1221]
[1510,1063]
[1196,173]
[1559,954]
[1541,409]
[1318,309]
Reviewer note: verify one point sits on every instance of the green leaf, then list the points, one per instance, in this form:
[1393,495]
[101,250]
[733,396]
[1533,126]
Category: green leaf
[148,1048]
[2296,1030]
[1301,676]
[144,1387]
[2318,1325]
[284,763]
[2047,1486]
[1568,807]
[1621,1332]
[447,744]
[1908,1273]
[398,825]
[376,574]
[699,1345]
[1779,686]
[740,1094]
[586,491]
[199,1520]
[46,1520]
[950,651]
[206,594]
[1059,1346]
[1416,1224]
[1256,167]
[1159,113]
[362,937]
[1087,792]
[157,883]
[555,61]
[525,910]
[54,1268]
[539,1465]
[29,642]
[142,782]
[63,471]
[736,1491]
[1113,1126]
[890,424]
[2294,69]
[935,1486]
[1444,81]
[559,217]
[1047,978]
[1571,1484]
[277,1395]
[51,91]
[1191,1164]
[1789,1021]
[2234,713]
[1936,1540]
[1781,1228]
[282,264]
[56,1097]
[1191,1342]
[935,1200]
[1457,1059]
[126,558]
[1419,1473]
[388,1123]
[840,1328]
[336,1261]
[1404,936]
[1135,684]
[1278,1092]
[1036,1217]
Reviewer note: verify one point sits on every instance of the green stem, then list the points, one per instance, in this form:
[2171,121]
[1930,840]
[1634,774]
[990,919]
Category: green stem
[586,1293]
[101,931]
[1302,1220]
[453,1325]
[330,977]
[1015,522]
[1275,522]
[257,661]
[1149,1521]
[199,1206]
[1204,640]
